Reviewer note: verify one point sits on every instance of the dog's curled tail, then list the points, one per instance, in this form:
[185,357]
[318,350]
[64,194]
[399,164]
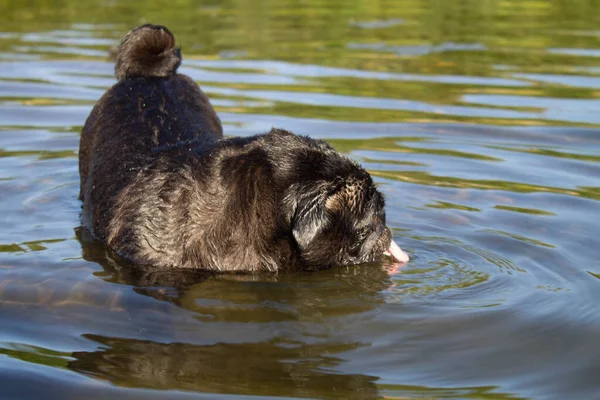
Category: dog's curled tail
[147,51]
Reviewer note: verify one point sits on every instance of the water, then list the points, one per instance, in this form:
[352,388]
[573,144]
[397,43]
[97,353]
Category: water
[480,121]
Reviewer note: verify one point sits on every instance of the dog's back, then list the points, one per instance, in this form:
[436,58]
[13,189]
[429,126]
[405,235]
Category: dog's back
[152,108]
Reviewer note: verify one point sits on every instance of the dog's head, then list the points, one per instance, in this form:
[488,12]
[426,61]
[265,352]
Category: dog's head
[340,219]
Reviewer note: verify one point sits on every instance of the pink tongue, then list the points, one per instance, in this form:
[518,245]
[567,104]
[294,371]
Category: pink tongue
[396,252]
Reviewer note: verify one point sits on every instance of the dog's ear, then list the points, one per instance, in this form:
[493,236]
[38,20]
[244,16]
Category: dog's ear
[305,210]
[310,207]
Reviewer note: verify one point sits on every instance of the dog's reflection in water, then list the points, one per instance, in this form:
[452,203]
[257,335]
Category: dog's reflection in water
[275,368]
[285,365]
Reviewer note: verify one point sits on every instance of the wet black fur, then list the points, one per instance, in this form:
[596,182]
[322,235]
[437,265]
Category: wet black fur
[160,186]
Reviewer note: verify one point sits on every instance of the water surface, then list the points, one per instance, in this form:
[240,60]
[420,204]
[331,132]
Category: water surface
[480,121]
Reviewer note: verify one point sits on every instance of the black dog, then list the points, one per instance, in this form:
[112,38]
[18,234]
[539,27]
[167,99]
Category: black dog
[160,186]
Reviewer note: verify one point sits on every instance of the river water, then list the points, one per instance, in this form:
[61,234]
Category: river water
[480,121]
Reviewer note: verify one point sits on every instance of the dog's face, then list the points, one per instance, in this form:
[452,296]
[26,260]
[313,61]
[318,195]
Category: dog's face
[338,222]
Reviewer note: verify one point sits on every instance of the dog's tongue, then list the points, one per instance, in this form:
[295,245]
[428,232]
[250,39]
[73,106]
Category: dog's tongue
[397,253]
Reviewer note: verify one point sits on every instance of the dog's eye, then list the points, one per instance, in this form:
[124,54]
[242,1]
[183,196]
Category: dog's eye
[361,235]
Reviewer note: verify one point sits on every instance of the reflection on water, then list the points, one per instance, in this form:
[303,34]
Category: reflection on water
[478,120]
[293,369]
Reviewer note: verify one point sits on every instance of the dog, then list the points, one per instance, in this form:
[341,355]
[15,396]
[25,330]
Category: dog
[161,186]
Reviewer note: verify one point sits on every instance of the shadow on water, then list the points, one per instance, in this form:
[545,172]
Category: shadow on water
[255,298]
[277,367]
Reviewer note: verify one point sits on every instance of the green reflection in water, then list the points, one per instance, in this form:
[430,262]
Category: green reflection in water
[551,153]
[35,354]
[553,289]
[424,178]
[352,114]
[391,144]
[446,205]
[393,162]
[594,191]
[11,248]
[42,101]
[519,238]
[402,392]
[37,245]
[40,154]
[531,211]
